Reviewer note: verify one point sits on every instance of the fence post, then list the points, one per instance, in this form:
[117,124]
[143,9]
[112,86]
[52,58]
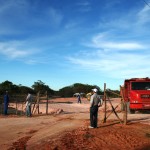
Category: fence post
[104,121]
[125,106]
[125,113]
[15,97]
[22,108]
[1,103]
[38,99]
[46,103]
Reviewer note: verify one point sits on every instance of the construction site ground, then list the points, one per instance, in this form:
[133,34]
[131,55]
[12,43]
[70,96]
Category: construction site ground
[66,128]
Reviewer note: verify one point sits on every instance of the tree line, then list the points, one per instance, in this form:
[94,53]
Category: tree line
[67,91]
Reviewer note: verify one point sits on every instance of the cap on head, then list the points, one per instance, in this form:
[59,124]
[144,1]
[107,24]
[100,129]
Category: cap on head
[95,90]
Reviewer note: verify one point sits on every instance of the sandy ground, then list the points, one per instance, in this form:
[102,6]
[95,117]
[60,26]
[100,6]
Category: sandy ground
[66,128]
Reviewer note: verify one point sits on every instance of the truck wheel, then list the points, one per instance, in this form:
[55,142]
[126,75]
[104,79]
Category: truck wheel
[132,111]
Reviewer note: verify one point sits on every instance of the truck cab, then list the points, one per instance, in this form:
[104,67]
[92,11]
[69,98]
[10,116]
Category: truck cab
[137,92]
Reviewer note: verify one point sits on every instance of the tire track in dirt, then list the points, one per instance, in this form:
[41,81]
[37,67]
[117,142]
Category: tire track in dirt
[20,144]
[53,131]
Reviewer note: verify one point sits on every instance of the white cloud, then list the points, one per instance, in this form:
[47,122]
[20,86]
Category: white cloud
[143,15]
[115,55]
[11,4]
[131,23]
[115,65]
[14,53]
[25,52]
[14,50]
[23,16]
[108,41]
[121,51]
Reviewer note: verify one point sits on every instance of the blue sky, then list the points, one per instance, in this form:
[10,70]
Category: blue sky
[62,42]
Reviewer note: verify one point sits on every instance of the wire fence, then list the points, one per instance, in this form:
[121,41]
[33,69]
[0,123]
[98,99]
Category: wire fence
[41,105]
[16,104]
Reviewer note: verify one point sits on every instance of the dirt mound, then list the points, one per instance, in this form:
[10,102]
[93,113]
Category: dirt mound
[114,137]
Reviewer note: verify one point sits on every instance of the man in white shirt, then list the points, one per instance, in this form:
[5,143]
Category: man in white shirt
[28,105]
[95,103]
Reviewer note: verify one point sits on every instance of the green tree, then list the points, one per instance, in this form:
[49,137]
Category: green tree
[68,91]
[25,90]
[14,89]
[40,86]
[8,86]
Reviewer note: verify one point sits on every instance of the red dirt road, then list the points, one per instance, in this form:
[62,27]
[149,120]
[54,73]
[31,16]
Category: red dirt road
[69,130]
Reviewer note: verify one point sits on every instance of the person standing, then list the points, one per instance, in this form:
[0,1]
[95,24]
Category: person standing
[6,103]
[79,98]
[88,96]
[28,105]
[95,102]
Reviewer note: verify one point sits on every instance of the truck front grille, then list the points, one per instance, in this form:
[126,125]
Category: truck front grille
[145,96]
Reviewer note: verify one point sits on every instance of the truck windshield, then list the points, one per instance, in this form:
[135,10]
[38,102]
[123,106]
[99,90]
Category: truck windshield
[140,86]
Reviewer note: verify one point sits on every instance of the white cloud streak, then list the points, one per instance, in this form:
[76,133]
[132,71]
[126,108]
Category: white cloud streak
[114,65]
[25,52]
[19,51]
[117,55]
[99,41]
[13,50]
[28,15]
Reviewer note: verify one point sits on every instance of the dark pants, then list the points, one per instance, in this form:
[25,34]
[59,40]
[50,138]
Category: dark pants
[93,116]
[79,100]
[5,108]
[28,111]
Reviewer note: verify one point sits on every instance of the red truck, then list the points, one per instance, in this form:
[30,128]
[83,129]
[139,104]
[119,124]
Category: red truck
[136,91]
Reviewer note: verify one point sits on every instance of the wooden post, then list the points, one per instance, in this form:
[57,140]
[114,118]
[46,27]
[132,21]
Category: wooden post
[1,100]
[22,109]
[1,104]
[125,113]
[46,103]
[36,104]
[16,106]
[104,121]
[38,99]
[125,107]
